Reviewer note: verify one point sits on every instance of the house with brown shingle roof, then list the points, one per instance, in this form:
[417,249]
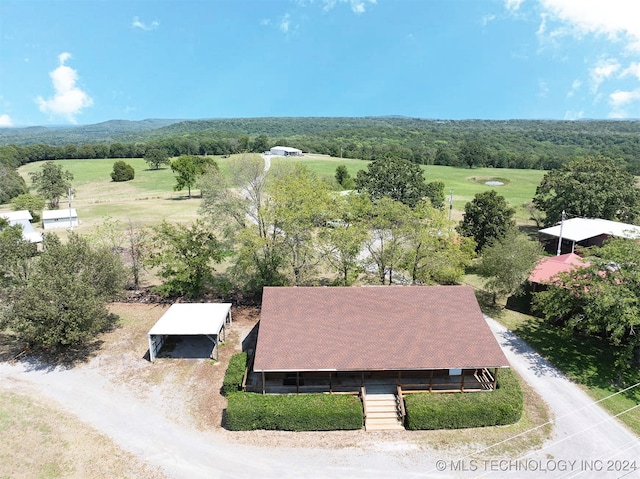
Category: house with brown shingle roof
[402,338]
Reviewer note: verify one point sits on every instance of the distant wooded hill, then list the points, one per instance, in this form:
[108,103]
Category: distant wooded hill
[507,144]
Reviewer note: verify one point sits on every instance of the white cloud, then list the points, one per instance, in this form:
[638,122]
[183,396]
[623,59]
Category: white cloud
[616,19]
[5,121]
[357,6]
[575,86]
[543,88]
[621,97]
[285,23]
[265,22]
[513,5]
[486,19]
[620,100]
[136,23]
[603,70]
[69,100]
[632,70]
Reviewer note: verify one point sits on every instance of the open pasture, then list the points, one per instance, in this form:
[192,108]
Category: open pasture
[149,198]
[519,185]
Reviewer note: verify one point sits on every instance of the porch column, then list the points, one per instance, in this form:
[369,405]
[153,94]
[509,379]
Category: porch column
[263,383]
[495,378]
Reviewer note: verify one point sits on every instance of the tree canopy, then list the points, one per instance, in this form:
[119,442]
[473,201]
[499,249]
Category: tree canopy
[601,300]
[486,218]
[189,168]
[156,157]
[62,303]
[122,171]
[507,262]
[11,184]
[52,182]
[394,178]
[593,187]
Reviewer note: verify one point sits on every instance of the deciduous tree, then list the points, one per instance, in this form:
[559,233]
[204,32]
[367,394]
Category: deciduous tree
[397,179]
[155,157]
[507,262]
[486,218]
[185,257]
[33,204]
[122,171]
[11,184]
[52,182]
[63,302]
[593,187]
[189,168]
[601,300]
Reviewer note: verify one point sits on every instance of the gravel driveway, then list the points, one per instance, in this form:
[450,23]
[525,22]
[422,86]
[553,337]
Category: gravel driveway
[146,429]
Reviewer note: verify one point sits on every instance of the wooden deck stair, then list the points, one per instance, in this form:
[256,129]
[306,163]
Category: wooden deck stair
[382,413]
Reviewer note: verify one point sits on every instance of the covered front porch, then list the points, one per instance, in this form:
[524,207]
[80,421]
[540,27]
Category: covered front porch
[352,382]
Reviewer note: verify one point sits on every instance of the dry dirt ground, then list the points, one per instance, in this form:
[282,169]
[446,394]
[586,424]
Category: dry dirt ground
[188,392]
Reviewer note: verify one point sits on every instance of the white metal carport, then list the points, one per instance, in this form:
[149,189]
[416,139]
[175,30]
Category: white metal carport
[190,319]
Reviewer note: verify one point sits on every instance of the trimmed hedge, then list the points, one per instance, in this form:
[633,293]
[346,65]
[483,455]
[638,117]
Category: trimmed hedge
[462,410]
[303,412]
[235,372]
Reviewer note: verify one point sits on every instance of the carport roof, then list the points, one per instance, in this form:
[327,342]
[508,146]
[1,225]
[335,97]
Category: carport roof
[186,319]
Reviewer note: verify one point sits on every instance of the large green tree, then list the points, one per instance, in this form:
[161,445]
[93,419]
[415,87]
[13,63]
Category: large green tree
[185,257]
[52,182]
[16,255]
[507,262]
[155,157]
[397,179]
[473,153]
[433,252]
[11,184]
[33,204]
[593,187]
[63,303]
[189,168]
[486,218]
[601,300]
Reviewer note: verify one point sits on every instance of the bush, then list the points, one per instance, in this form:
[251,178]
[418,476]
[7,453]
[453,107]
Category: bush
[462,410]
[33,204]
[302,412]
[122,171]
[235,373]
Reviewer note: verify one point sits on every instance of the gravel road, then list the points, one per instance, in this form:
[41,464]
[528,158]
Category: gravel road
[584,434]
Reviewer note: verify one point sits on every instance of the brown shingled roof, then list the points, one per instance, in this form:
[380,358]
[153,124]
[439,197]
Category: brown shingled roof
[373,328]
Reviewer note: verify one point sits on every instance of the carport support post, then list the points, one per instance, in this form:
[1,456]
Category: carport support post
[495,378]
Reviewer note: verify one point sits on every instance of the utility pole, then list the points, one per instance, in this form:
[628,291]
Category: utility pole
[560,237]
[450,203]
[70,194]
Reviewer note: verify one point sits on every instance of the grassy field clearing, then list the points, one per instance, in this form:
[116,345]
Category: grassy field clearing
[150,198]
[519,185]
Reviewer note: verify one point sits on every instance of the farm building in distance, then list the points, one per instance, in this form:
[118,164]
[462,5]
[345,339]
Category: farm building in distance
[403,338]
[584,232]
[285,151]
[23,218]
[55,219]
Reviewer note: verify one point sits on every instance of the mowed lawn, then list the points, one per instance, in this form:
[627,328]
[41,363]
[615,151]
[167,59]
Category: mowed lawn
[150,198]
[518,189]
[147,199]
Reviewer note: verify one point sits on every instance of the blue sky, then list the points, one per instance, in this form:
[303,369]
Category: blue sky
[87,61]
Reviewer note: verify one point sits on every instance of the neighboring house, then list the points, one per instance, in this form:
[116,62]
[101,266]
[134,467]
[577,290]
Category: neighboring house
[23,218]
[547,270]
[54,219]
[350,339]
[584,232]
[285,151]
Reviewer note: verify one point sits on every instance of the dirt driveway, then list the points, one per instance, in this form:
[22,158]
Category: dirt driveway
[147,410]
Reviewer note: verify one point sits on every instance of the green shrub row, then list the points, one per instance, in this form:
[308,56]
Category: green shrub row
[303,412]
[462,410]
[235,372]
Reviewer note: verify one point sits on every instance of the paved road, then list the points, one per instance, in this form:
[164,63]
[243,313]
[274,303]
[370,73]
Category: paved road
[147,430]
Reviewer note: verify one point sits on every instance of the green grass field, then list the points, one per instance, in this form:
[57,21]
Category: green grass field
[149,197]
[519,185]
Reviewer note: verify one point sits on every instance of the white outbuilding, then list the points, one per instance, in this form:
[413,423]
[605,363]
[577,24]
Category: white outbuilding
[285,151]
[23,218]
[191,319]
[55,219]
